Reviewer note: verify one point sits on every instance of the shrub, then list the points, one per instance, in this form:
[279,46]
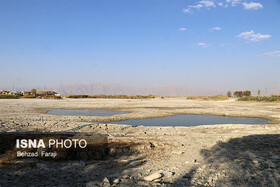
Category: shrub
[49,97]
[216,97]
[9,97]
[260,99]
[28,96]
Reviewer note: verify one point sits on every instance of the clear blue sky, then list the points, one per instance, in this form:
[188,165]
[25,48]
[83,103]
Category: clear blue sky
[230,44]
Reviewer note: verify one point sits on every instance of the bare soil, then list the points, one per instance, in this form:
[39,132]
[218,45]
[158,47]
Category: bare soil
[216,155]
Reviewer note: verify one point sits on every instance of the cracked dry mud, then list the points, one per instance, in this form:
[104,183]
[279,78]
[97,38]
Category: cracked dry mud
[215,155]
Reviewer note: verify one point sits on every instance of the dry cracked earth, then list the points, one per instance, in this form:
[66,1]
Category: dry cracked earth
[123,155]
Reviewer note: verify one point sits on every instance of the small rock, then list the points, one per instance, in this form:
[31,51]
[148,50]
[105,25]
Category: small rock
[157,180]
[131,177]
[256,162]
[106,182]
[168,174]
[125,176]
[135,163]
[199,169]
[116,181]
[178,152]
[123,161]
[215,178]
[153,176]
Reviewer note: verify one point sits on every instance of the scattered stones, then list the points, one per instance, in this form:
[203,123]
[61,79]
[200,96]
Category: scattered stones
[208,156]
[116,181]
[153,176]
[106,182]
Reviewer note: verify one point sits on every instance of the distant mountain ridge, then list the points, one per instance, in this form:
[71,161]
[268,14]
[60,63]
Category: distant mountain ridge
[98,88]
[103,88]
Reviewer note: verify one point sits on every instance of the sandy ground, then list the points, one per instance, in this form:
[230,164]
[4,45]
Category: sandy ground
[216,155]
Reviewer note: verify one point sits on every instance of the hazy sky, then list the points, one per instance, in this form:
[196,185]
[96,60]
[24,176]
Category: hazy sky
[231,44]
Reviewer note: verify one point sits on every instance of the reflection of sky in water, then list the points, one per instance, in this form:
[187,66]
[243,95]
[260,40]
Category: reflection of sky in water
[84,112]
[192,120]
[178,120]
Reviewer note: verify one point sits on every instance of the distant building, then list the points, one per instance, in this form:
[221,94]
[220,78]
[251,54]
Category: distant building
[29,93]
[16,93]
[25,93]
[4,92]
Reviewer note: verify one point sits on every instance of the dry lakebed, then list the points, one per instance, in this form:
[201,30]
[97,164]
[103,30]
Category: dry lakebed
[125,155]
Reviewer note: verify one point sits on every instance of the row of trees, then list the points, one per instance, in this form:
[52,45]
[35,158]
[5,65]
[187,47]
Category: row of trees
[240,93]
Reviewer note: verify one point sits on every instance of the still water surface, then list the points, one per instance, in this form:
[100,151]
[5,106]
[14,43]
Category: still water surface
[192,120]
[178,120]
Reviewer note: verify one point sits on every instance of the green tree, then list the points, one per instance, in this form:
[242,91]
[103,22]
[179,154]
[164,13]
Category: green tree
[33,92]
[259,92]
[238,94]
[247,93]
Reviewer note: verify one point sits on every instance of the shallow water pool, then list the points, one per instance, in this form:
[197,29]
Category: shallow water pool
[178,120]
[191,120]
